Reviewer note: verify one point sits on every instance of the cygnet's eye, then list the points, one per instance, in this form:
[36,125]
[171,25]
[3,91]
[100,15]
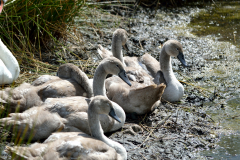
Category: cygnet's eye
[177,49]
[117,65]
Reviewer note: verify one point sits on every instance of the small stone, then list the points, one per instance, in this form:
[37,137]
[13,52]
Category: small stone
[168,151]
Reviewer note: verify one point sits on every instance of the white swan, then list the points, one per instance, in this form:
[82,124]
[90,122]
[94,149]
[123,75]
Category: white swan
[78,145]
[68,113]
[2,2]
[163,72]
[71,81]
[9,67]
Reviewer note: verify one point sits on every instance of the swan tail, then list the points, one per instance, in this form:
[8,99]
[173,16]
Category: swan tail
[12,101]
[149,92]
[104,53]
[35,124]
[18,153]
[149,95]
[19,128]
[100,52]
[3,101]
[15,122]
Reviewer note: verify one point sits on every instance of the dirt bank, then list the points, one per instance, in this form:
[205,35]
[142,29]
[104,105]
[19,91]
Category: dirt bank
[171,131]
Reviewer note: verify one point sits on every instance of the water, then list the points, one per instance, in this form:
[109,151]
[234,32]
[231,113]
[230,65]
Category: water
[221,20]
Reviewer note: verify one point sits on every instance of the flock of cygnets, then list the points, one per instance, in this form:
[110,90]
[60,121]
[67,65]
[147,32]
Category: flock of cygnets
[72,113]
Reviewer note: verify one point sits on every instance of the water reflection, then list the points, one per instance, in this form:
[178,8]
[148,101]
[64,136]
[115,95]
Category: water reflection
[221,19]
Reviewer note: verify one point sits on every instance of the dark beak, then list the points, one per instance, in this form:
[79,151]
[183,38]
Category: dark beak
[126,47]
[182,59]
[113,115]
[123,76]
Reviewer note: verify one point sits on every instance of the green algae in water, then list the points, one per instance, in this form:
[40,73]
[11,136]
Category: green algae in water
[220,19]
[229,148]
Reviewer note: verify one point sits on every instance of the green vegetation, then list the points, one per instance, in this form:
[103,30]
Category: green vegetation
[31,26]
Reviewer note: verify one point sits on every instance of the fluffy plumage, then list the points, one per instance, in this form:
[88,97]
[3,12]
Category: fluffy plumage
[77,145]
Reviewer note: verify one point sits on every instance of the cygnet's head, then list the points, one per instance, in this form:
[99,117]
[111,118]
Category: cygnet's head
[121,35]
[114,66]
[175,49]
[102,105]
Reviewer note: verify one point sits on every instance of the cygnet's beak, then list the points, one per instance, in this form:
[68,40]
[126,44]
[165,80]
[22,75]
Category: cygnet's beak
[182,59]
[126,47]
[113,115]
[123,76]
[1,5]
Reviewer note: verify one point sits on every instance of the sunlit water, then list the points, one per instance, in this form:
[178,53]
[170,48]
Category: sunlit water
[222,21]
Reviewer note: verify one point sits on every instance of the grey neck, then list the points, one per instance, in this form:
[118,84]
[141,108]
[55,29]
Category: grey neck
[94,124]
[165,64]
[97,132]
[117,48]
[99,81]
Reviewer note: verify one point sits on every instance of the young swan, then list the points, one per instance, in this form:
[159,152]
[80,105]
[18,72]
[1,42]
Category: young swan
[70,113]
[78,145]
[144,93]
[139,99]
[174,90]
[71,81]
[133,69]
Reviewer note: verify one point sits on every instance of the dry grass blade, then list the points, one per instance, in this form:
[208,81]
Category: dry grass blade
[159,124]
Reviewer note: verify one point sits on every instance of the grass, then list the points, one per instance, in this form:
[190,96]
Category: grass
[32,27]
[37,31]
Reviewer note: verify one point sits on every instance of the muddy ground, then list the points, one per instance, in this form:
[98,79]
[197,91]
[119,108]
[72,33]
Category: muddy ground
[171,131]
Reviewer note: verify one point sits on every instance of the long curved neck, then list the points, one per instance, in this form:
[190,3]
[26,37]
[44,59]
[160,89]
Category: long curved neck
[9,61]
[165,65]
[117,48]
[97,132]
[99,81]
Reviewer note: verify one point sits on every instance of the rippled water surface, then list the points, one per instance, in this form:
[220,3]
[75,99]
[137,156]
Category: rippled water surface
[221,20]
